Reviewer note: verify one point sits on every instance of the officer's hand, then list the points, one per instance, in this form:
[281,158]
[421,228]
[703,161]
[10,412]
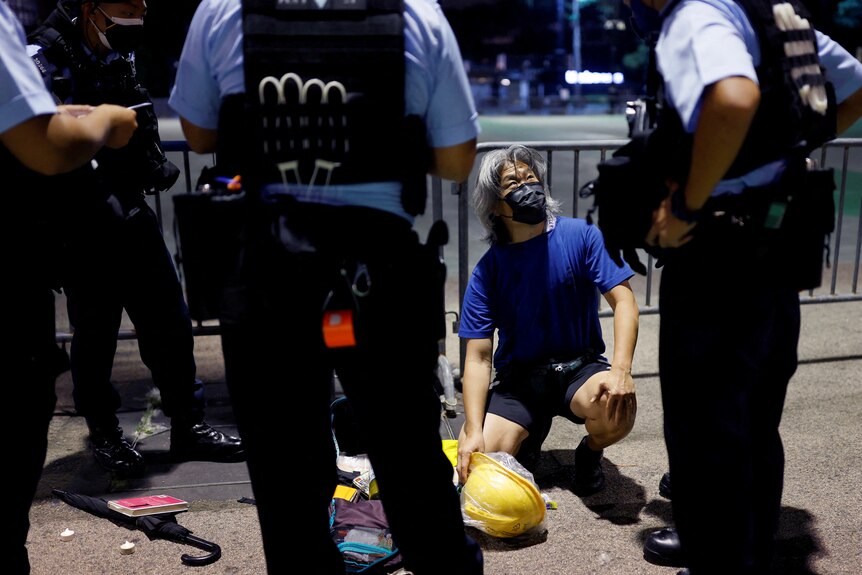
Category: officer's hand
[122,123]
[75,110]
[667,231]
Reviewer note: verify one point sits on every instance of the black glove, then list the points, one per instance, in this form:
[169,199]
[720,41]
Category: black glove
[161,178]
[629,188]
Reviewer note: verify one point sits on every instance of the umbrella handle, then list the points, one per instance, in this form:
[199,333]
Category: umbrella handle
[213,548]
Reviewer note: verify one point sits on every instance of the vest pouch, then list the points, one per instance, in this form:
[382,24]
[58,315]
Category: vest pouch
[808,221]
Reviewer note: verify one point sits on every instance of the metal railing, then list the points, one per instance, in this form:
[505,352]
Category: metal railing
[582,158]
[847,204]
[571,164]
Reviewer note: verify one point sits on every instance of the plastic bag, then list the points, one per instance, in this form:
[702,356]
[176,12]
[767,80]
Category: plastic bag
[500,497]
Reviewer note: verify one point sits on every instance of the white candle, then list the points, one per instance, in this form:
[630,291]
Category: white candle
[127,548]
[66,534]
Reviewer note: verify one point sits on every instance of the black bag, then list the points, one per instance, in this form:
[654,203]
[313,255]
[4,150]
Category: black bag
[804,219]
[810,220]
[628,189]
[208,230]
[790,222]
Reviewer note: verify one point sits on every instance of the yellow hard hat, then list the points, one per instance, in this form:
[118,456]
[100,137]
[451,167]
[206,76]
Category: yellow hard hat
[501,501]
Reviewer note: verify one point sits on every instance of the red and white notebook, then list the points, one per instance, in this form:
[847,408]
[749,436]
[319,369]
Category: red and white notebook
[148,505]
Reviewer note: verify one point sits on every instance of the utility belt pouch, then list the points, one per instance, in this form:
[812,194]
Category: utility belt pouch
[792,219]
[808,220]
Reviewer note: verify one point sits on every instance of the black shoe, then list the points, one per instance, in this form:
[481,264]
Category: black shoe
[664,485]
[588,477]
[662,548]
[114,453]
[200,442]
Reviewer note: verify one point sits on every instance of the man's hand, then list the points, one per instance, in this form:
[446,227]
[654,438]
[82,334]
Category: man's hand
[618,389]
[467,444]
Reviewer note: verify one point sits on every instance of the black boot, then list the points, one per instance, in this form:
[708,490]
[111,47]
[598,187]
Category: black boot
[195,440]
[662,548]
[588,477]
[113,452]
[664,485]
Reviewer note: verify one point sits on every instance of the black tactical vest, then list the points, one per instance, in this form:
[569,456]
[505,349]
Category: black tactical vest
[784,126]
[324,98]
[75,77]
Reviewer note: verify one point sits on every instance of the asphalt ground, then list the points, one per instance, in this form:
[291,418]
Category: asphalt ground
[821,517]
[821,523]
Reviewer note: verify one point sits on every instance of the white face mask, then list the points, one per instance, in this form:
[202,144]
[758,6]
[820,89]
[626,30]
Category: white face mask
[123,35]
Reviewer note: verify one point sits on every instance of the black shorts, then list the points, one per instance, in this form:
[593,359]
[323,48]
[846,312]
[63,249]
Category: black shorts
[517,400]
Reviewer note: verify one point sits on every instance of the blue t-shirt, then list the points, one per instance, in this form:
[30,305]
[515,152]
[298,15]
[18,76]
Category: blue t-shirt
[542,295]
[436,87]
[22,92]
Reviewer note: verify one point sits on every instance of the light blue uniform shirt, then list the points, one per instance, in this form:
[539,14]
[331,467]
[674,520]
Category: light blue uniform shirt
[436,88]
[704,41]
[22,92]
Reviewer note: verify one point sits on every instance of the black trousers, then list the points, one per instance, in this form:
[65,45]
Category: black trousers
[115,262]
[728,338]
[29,354]
[279,374]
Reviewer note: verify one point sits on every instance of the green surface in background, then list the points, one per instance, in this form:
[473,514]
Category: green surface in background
[551,128]
[853,193]
[854,131]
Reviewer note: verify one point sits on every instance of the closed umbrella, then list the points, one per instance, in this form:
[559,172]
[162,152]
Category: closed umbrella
[157,526]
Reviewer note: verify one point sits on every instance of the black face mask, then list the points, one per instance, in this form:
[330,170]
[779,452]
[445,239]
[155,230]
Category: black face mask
[527,203]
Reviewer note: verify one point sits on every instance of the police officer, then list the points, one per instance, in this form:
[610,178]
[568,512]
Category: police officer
[313,250]
[733,262]
[115,257]
[34,139]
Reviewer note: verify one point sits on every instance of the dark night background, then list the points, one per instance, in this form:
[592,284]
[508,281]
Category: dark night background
[528,42]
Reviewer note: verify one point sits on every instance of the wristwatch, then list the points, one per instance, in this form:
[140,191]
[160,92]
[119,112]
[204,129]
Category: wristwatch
[680,211]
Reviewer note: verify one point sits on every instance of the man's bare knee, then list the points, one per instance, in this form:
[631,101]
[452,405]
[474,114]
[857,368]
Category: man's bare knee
[604,433]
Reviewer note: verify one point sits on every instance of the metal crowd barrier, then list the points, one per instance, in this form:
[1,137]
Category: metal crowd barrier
[570,165]
[835,154]
[578,159]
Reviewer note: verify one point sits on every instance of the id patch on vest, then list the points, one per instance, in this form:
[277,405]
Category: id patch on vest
[320,4]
